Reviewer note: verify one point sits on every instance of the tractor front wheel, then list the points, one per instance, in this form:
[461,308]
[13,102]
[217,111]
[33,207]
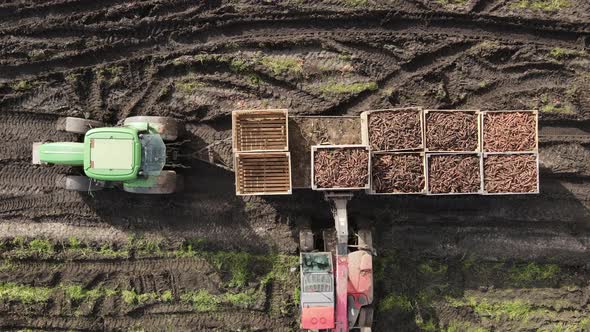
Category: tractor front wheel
[365,239]
[365,317]
[306,240]
[167,127]
[81,183]
[77,125]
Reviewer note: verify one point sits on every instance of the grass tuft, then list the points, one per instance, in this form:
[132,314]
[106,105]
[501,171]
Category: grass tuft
[23,293]
[202,300]
[21,86]
[245,299]
[433,267]
[395,302]
[563,53]
[452,2]
[426,326]
[512,310]
[457,326]
[131,297]
[348,88]
[533,272]
[355,3]
[544,5]
[238,66]
[111,74]
[280,65]
[41,247]
[188,86]
[561,327]
[551,108]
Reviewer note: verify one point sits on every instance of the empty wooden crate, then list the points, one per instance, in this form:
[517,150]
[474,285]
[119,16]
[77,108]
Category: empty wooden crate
[263,173]
[260,131]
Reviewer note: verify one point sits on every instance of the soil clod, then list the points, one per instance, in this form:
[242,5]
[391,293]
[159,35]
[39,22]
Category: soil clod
[454,174]
[341,167]
[398,173]
[511,173]
[396,130]
[509,131]
[451,131]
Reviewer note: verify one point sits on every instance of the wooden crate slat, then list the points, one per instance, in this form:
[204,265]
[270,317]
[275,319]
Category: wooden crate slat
[264,130]
[263,173]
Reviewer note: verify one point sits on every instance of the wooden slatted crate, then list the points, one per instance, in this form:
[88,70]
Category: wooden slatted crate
[266,173]
[367,130]
[260,130]
[509,131]
[511,178]
[375,164]
[339,169]
[430,173]
[450,133]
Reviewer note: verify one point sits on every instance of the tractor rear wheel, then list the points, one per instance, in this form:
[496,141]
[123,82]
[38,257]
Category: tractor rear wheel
[365,239]
[81,183]
[365,317]
[167,127]
[330,240]
[306,240]
[77,125]
[167,182]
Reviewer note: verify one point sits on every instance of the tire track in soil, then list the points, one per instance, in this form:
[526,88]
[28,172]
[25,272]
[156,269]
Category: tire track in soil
[142,274]
[57,205]
[273,88]
[414,69]
[233,320]
[43,322]
[18,132]
[19,126]
[120,50]
[22,177]
[10,14]
[93,233]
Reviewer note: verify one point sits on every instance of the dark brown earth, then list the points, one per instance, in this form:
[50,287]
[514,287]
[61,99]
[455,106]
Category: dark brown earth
[518,263]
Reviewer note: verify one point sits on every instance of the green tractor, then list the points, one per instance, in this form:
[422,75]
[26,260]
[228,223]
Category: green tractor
[132,155]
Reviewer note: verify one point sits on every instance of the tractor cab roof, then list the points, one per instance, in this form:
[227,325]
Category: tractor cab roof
[316,262]
[112,154]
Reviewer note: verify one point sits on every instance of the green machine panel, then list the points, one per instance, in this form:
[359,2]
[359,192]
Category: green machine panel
[112,154]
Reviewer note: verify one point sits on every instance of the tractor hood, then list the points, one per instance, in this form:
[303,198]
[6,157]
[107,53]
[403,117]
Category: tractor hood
[360,274]
[61,153]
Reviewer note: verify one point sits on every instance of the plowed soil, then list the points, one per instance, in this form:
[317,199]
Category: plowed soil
[444,263]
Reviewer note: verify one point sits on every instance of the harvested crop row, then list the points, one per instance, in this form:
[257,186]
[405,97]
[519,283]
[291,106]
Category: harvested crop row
[341,167]
[454,174]
[395,130]
[509,131]
[510,173]
[451,131]
[398,173]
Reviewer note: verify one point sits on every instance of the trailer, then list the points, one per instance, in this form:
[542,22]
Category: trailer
[275,153]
